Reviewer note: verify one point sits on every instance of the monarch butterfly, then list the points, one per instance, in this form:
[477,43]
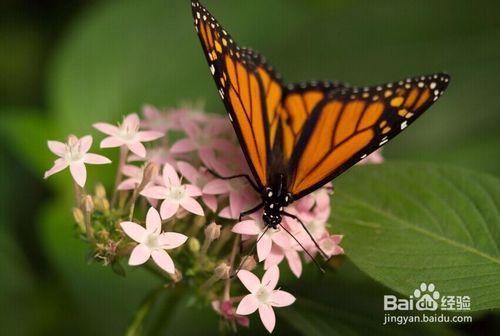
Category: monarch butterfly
[298,137]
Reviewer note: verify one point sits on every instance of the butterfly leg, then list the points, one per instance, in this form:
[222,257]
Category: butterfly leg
[252,183]
[251,211]
[309,233]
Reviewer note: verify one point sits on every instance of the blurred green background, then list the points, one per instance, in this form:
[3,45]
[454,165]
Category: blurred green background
[67,64]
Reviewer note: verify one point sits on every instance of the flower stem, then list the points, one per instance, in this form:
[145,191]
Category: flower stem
[132,203]
[121,163]
[232,257]
[78,195]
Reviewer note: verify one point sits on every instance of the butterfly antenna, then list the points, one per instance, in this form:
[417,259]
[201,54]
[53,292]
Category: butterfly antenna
[309,233]
[303,248]
[251,252]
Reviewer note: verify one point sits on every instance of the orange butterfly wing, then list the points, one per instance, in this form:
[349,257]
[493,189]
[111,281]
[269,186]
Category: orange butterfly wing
[297,107]
[240,87]
[351,123]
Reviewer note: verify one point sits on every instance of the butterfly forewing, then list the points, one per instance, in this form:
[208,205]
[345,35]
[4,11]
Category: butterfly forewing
[351,123]
[241,90]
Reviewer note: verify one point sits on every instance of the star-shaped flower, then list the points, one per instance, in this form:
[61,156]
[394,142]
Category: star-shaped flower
[174,194]
[255,227]
[263,296]
[152,242]
[127,134]
[74,154]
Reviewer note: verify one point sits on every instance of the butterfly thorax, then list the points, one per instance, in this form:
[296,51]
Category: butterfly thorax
[275,199]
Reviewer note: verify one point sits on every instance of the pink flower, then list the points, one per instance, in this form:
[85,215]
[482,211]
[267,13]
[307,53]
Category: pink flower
[330,244]
[155,120]
[227,311]
[291,253]
[127,134]
[174,194]
[159,155]
[255,227]
[241,194]
[263,296]
[134,174]
[204,140]
[74,154]
[152,242]
[199,177]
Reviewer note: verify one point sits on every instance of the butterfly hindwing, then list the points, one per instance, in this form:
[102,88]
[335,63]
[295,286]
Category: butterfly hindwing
[240,88]
[351,123]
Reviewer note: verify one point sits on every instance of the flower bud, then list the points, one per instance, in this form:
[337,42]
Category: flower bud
[100,191]
[79,219]
[88,204]
[150,172]
[194,245]
[222,271]
[212,231]
[248,263]
[72,140]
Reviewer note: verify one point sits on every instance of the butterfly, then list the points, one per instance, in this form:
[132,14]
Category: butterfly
[298,137]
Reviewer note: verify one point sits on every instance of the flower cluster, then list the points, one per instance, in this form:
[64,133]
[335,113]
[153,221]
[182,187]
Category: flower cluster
[192,212]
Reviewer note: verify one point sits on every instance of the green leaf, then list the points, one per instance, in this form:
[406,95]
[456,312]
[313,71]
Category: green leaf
[405,224]
[136,326]
[343,302]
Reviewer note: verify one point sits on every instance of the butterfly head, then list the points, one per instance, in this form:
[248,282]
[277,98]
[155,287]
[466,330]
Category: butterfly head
[275,202]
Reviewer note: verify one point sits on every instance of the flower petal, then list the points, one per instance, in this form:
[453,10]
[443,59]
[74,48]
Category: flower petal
[57,147]
[170,177]
[140,254]
[247,305]
[183,146]
[146,136]
[162,259]
[248,227]
[153,221]
[137,148]
[134,231]
[132,121]
[249,280]
[267,317]
[275,257]
[111,142]
[281,298]
[106,128]
[85,143]
[59,165]
[188,171]
[271,277]
[192,205]
[127,184]
[95,159]
[264,247]
[171,240]
[216,187]
[155,192]
[78,172]
[294,262]
[210,201]
[192,190]
[168,209]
